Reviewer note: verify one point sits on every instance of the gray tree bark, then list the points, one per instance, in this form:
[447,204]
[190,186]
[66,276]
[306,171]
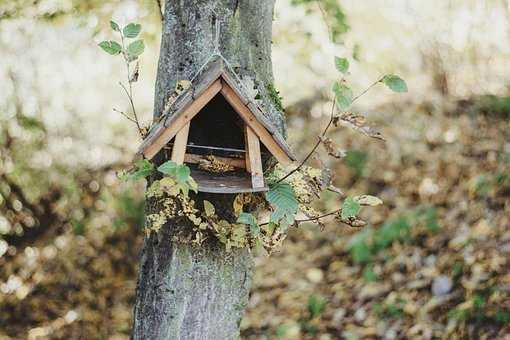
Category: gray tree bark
[185,291]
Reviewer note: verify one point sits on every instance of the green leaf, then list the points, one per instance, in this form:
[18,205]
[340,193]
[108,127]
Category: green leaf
[209,208]
[168,168]
[283,198]
[111,47]
[246,218]
[342,64]
[350,208]
[249,219]
[132,30]
[368,200]
[182,173]
[135,48]
[193,185]
[395,83]
[114,26]
[316,306]
[343,95]
[369,275]
[184,188]
[143,168]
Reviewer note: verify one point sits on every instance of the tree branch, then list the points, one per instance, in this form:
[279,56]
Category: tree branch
[125,115]
[315,146]
[325,131]
[130,92]
[367,89]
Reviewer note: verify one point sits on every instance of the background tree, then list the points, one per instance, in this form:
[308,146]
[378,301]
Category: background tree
[186,291]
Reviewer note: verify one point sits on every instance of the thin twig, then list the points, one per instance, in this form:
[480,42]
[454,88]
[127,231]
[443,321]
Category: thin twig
[130,92]
[125,115]
[325,131]
[319,141]
[367,89]
[312,219]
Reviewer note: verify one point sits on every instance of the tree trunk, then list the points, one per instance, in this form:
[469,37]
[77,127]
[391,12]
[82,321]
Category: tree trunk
[185,291]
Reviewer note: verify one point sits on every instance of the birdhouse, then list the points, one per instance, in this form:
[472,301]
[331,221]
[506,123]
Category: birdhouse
[219,131]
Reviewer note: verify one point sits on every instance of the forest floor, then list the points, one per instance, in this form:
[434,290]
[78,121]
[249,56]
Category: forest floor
[431,263]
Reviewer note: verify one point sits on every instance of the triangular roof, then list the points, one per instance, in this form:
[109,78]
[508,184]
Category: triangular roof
[214,77]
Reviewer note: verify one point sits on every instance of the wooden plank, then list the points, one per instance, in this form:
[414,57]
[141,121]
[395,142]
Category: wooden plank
[224,183]
[184,117]
[247,153]
[264,121]
[253,143]
[230,80]
[208,75]
[235,162]
[250,119]
[179,148]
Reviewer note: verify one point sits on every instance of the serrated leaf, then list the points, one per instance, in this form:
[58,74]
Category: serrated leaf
[350,208]
[114,26]
[209,208]
[168,168]
[342,64]
[343,95]
[132,30]
[111,47]
[135,48]
[282,197]
[368,200]
[182,173]
[395,83]
[246,218]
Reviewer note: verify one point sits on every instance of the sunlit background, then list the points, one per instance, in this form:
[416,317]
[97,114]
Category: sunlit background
[431,263]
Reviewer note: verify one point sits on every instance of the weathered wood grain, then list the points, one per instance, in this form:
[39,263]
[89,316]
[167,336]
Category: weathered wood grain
[179,148]
[253,145]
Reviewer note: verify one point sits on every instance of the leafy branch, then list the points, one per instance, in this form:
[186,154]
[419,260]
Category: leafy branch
[346,214]
[286,206]
[130,53]
[344,99]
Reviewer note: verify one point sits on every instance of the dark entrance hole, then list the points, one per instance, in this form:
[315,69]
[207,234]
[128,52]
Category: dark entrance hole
[217,125]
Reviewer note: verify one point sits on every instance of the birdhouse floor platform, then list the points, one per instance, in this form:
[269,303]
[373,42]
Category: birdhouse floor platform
[226,183]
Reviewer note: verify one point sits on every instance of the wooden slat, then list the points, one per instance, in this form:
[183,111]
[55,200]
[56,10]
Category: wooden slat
[224,183]
[229,79]
[179,148]
[247,154]
[250,119]
[253,143]
[209,74]
[235,162]
[182,119]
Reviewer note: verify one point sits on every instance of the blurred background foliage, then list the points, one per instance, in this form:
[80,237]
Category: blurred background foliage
[433,262]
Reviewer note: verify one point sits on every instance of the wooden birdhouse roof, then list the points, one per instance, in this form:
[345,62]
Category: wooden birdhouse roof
[215,77]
